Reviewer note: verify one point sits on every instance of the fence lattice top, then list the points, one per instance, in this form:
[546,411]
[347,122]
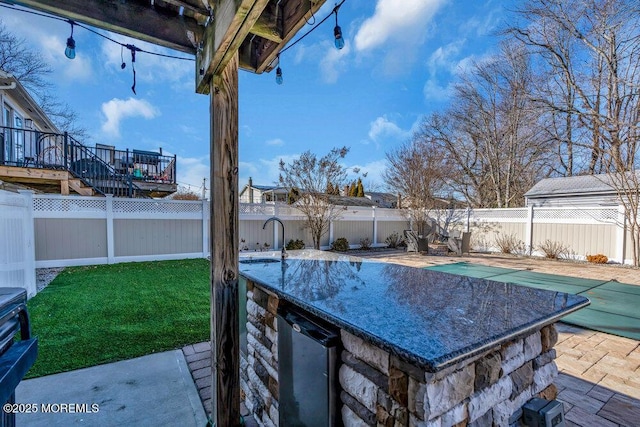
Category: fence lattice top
[156,206]
[77,204]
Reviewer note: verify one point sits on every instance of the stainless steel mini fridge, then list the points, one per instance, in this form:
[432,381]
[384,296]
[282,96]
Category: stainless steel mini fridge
[307,349]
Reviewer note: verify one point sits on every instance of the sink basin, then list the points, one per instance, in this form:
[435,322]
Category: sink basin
[258,260]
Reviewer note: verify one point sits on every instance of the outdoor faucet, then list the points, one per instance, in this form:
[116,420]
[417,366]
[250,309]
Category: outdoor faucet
[284,251]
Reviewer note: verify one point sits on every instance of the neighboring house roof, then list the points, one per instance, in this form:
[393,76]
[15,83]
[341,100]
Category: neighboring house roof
[574,186]
[369,199]
[351,201]
[263,189]
[268,188]
[383,200]
[23,99]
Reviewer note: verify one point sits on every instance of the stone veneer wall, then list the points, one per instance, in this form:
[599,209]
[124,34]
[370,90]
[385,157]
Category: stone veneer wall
[259,369]
[379,389]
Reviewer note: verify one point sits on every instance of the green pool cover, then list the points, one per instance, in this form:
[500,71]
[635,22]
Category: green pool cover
[614,309]
[551,282]
[471,270]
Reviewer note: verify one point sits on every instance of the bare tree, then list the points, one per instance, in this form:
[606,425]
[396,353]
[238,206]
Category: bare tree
[185,194]
[627,187]
[310,176]
[594,46]
[591,49]
[416,171]
[32,72]
[491,135]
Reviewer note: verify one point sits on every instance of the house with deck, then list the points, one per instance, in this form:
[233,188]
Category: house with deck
[36,155]
[252,193]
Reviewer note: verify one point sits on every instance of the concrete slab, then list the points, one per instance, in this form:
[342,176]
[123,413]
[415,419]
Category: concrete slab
[153,390]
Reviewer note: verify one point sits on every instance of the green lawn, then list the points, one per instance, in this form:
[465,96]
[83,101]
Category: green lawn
[100,314]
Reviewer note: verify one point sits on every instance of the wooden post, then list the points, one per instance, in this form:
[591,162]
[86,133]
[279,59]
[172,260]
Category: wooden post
[224,247]
[528,238]
[64,186]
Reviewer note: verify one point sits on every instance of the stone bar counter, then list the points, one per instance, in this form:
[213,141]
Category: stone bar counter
[417,347]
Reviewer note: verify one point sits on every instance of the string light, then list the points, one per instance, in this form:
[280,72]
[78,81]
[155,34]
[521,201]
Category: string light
[279,73]
[123,65]
[71,44]
[70,51]
[337,34]
[337,31]
[73,23]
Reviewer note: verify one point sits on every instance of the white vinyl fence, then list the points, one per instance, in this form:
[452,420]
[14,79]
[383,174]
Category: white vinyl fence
[582,230]
[17,256]
[74,230]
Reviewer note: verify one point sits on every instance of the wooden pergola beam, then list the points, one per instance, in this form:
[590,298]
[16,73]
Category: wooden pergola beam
[233,22]
[157,26]
[295,16]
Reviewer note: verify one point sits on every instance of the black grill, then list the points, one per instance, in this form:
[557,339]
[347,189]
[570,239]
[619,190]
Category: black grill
[16,355]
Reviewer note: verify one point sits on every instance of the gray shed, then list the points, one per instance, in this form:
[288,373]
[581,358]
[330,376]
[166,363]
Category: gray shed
[583,190]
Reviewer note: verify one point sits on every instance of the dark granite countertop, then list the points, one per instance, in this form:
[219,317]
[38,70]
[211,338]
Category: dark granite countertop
[430,318]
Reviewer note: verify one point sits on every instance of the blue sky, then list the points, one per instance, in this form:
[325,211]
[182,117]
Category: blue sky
[397,66]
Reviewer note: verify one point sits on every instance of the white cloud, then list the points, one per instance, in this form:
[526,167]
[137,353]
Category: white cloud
[443,64]
[116,110]
[263,171]
[73,70]
[49,38]
[382,128]
[391,22]
[483,25]
[275,142]
[300,55]
[434,91]
[191,171]
[444,57]
[467,63]
[334,62]
[373,180]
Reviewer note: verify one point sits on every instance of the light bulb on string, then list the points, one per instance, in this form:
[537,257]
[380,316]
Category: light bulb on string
[279,79]
[70,50]
[339,41]
[123,65]
[337,32]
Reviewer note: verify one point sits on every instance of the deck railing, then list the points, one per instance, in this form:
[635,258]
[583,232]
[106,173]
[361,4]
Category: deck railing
[108,170]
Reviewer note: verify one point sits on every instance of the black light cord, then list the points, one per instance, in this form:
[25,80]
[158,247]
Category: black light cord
[128,46]
[299,39]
